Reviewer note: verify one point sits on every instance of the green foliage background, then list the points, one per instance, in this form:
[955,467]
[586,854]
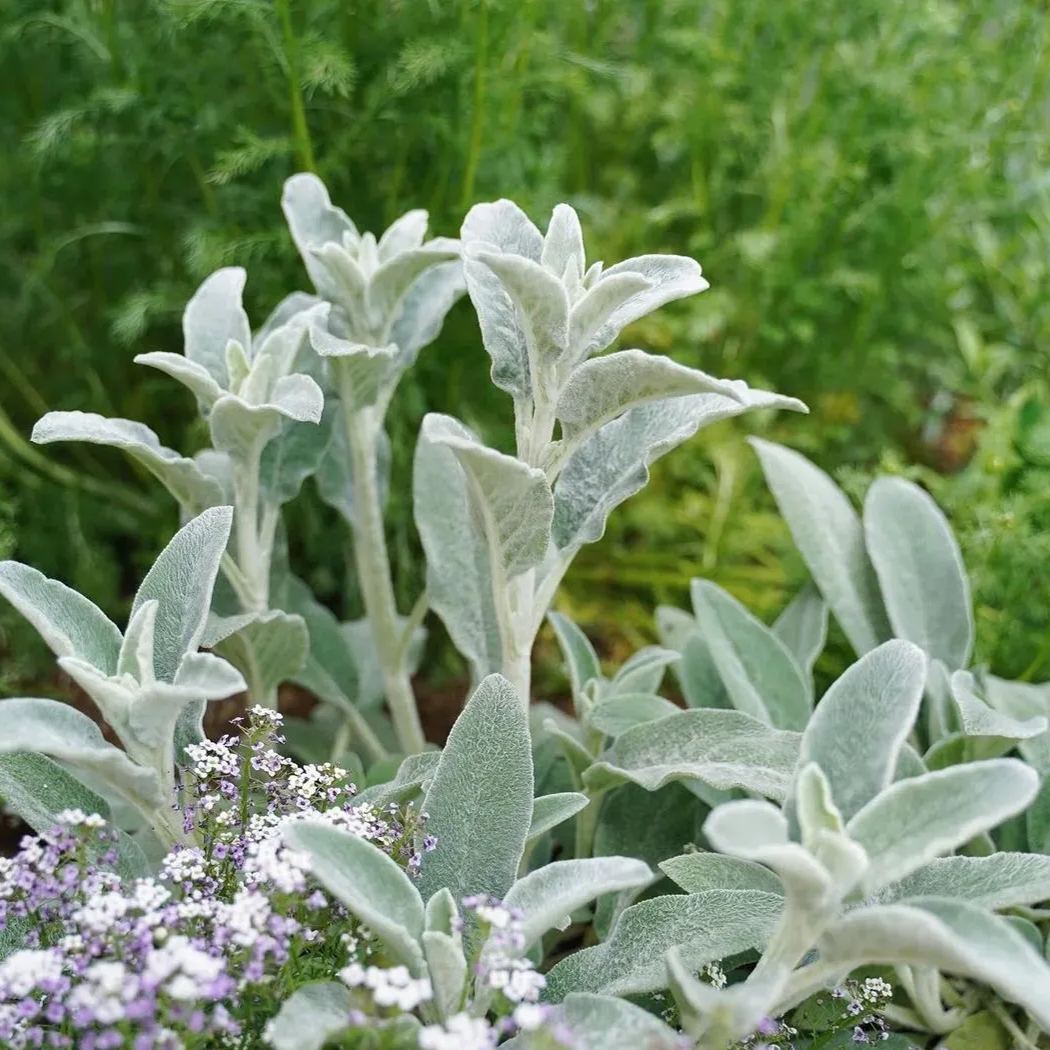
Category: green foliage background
[865,182]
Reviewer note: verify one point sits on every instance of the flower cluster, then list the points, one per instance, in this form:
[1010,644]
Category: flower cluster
[186,957]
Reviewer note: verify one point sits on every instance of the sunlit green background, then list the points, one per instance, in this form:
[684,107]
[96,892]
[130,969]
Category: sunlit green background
[866,182]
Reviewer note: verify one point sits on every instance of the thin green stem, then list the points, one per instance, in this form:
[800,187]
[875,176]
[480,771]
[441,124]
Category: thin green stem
[304,150]
[477,118]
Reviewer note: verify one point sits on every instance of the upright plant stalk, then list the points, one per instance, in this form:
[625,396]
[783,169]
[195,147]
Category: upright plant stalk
[372,561]
[304,149]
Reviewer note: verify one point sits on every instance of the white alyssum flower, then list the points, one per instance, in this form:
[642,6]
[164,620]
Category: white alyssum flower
[23,971]
[394,986]
[459,1032]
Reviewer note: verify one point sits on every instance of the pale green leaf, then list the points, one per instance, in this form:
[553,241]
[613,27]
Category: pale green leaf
[212,318]
[803,627]
[310,1016]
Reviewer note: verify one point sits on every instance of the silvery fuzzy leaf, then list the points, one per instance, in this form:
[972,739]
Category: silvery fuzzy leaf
[1023,700]
[613,464]
[803,627]
[541,307]
[548,811]
[294,455]
[441,914]
[482,517]
[285,350]
[180,476]
[181,580]
[480,799]
[505,226]
[328,667]
[829,535]
[921,574]
[757,669]
[37,789]
[314,221]
[725,749]
[217,467]
[63,734]
[592,311]
[371,885]
[367,373]
[403,234]
[701,872]
[136,650]
[269,650]
[859,727]
[1003,880]
[914,821]
[642,672]
[312,1015]
[601,390]
[979,719]
[156,710]
[393,281]
[217,627]
[412,779]
[447,970]
[697,675]
[563,244]
[946,935]
[423,309]
[212,318]
[668,277]
[242,430]
[616,714]
[547,896]
[705,927]
[191,374]
[581,660]
[291,307]
[69,623]
[602,1022]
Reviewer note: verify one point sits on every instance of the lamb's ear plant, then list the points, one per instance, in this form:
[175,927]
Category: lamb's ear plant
[499,530]
[384,300]
[149,683]
[480,813]
[896,571]
[846,872]
[263,414]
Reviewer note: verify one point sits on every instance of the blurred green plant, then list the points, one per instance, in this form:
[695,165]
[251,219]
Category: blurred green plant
[864,183]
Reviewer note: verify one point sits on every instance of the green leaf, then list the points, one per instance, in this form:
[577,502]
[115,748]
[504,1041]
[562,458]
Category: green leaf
[920,570]
[701,872]
[981,720]
[480,800]
[642,672]
[1003,880]
[914,821]
[613,464]
[982,1031]
[954,936]
[859,727]
[704,926]
[757,669]
[600,390]
[697,675]
[314,222]
[412,779]
[37,790]
[547,896]
[269,650]
[294,455]
[615,715]
[548,811]
[725,749]
[371,885]
[181,581]
[830,537]
[69,623]
[310,1016]
[600,1022]
[580,657]
[63,734]
[447,969]
[803,627]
